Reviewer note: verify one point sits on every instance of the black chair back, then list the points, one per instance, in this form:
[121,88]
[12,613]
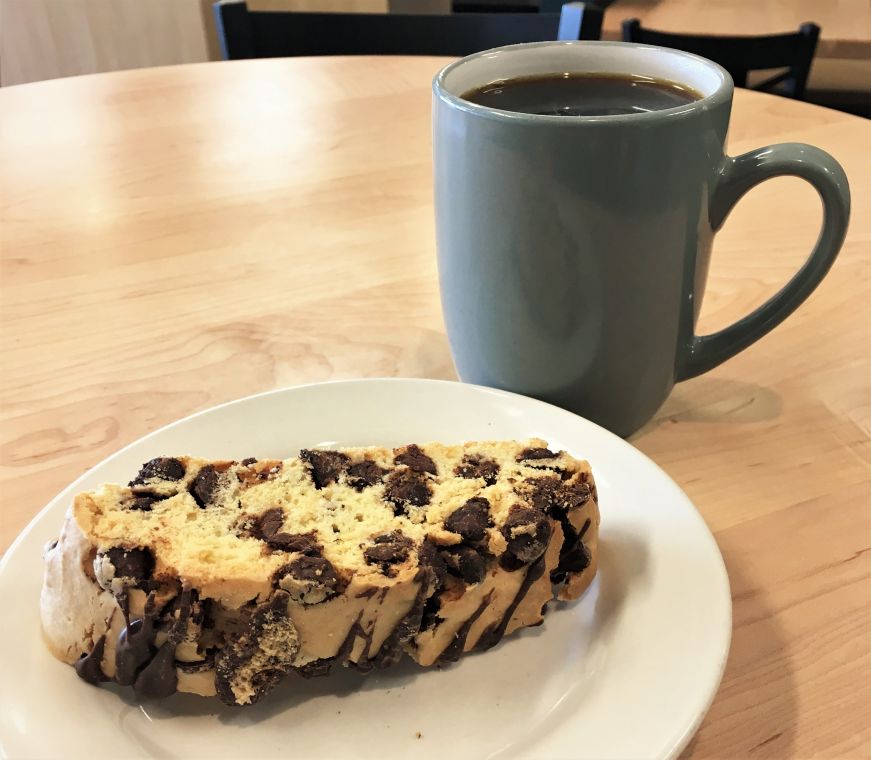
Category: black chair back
[740,55]
[253,34]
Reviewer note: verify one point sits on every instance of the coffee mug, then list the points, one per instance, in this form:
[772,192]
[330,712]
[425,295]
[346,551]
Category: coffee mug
[573,250]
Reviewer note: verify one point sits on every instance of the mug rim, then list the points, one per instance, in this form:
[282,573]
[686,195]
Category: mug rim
[723,91]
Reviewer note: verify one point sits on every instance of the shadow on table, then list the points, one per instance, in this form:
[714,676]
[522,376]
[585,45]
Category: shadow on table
[755,711]
[715,399]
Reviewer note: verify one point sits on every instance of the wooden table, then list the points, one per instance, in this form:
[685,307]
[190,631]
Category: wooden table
[174,238]
[845,24]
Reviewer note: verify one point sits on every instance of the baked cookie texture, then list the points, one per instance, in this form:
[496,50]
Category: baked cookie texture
[224,577]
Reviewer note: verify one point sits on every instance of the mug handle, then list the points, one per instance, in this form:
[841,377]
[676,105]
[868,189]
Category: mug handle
[736,177]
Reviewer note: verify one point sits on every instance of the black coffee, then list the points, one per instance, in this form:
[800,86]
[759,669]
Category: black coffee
[582,94]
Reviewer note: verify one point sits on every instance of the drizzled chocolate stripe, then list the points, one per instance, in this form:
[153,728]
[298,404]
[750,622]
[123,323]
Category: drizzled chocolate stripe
[198,666]
[574,555]
[322,667]
[135,645]
[89,666]
[391,648]
[493,634]
[367,638]
[138,661]
[453,650]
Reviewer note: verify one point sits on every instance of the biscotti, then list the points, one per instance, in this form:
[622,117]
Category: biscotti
[224,577]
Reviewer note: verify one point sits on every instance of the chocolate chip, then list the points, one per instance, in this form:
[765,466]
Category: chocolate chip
[542,492]
[428,556]
[267,527]
[527,531]
[550,494]
[162,468]
[269,523]
[471,520]
[204,486]
[131,563]
[304,543]
[314,569]
[308,580]
[143,502]
[407,488]
[474,466]
[208,612]
[413,457]
[365,473]
[260,656]
[465,563]
[535,453]
[325,466]
[573,496]
[510,563]
[387,550]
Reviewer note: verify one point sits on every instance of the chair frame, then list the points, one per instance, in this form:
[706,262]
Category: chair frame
[266,34]
[740,55]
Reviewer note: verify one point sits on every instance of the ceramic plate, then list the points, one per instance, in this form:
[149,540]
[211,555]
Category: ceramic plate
[627,671]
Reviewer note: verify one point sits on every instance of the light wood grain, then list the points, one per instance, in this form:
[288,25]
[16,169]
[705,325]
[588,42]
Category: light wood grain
[845,24]
[175,238]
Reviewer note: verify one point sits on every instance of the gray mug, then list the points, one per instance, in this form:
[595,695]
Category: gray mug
[573,250]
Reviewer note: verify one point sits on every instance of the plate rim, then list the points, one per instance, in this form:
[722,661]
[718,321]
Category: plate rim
[680,742]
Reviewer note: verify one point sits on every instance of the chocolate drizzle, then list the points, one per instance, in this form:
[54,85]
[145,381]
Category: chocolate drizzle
[493,634]
[321,667]
[199,665]
[158,679]
[89,666]
[135,645]
[452,651]
[390,651]
[574,555]
[138,660]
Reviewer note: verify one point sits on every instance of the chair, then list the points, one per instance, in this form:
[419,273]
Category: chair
[740,55]
[250,34]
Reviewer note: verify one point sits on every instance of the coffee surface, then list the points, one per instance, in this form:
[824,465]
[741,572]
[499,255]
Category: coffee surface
[582,95]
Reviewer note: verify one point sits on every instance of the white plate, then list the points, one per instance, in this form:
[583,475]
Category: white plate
[628,671]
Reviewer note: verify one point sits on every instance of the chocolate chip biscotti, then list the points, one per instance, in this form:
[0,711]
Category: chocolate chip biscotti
[224,577]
